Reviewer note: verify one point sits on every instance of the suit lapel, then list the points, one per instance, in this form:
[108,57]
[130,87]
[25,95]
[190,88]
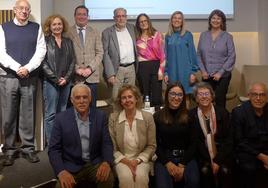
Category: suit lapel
[140,125]
[120,129]
[114,37]
[132,34]
[88,34]
[74,128]
[92,127]
[75,36]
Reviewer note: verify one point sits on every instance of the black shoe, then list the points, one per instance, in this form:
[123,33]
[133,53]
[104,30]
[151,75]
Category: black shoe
[31,157]
[9,160]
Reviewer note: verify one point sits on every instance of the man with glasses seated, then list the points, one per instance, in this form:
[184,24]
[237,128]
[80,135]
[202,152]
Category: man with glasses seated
[250,123]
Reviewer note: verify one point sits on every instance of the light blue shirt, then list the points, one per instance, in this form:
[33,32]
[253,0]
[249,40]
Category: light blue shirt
[84,132]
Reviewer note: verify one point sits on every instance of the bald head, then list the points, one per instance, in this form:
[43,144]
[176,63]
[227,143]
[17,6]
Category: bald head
[18,2]
[258,95]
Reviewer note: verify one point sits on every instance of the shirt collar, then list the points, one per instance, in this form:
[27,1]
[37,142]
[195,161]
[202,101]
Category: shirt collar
[77,27]
[120,30]
[122,116]
[78,117]
[20,24]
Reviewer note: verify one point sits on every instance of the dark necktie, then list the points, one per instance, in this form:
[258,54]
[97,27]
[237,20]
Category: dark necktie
[81,37]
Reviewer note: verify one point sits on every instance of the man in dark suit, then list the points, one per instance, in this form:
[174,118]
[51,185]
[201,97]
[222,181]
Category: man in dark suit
[80,146]
[119,45]
[250,123]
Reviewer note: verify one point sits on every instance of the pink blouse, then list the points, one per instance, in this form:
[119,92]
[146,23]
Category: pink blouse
[152,49]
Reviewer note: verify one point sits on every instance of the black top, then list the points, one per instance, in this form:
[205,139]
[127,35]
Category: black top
[250,131]
[58,62]
[174,136]
[223,138]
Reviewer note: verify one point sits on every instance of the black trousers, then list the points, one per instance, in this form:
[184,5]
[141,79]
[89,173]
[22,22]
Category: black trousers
[149,83]
[220,88]
[252,174]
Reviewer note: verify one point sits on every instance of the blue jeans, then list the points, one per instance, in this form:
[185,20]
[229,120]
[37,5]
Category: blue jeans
[55,100]
[164,180]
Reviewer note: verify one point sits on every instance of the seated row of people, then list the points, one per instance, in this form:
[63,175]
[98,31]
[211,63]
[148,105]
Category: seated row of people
[193,149]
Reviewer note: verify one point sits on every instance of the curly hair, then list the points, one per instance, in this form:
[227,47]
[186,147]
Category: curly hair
[50,19]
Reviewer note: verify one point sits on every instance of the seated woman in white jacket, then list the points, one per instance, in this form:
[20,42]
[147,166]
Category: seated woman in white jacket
[133,135]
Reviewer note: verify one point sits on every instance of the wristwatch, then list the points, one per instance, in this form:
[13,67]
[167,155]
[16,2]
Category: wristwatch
[139,160]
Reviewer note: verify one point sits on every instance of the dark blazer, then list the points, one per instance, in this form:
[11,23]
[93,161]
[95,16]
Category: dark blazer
[49,63]
[248,141]
[223,138]
[65,150]
[111,56]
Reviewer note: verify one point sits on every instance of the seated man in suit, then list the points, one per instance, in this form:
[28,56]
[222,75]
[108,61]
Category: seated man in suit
[250,123]
[80,146]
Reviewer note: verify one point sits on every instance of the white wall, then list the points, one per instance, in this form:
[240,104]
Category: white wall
[263,31]
[47,8]
[246,16]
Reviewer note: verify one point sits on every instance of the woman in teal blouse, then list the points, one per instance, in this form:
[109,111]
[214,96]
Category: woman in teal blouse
[181,58]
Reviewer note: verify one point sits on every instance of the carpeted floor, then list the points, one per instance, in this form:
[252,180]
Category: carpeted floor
[25,175]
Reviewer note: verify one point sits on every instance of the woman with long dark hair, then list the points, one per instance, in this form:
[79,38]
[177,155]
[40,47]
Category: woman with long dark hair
[176,142]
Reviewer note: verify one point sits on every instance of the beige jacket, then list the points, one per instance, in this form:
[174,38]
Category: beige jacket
[89,56]
[145,132]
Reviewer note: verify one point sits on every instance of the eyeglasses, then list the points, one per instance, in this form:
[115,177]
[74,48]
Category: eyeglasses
[143,21]
[203,94]
[21,8]
[256,95]
[174,94]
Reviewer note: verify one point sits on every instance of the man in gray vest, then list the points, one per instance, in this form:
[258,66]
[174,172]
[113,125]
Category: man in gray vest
[22,49]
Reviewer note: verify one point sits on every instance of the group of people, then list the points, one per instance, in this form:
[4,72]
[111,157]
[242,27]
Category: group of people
[181,147]
[202,147]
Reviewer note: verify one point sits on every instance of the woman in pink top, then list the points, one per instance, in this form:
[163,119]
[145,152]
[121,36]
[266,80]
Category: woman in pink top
[151,56]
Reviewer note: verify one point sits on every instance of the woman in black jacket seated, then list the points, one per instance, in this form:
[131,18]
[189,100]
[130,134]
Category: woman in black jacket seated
[58,68]
[176,143]
[214,138]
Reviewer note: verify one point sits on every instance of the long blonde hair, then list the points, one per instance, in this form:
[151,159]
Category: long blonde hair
[170,27]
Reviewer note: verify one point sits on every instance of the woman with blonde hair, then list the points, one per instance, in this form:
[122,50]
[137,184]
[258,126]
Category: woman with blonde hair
[58,69]
[181,58]
[133,134]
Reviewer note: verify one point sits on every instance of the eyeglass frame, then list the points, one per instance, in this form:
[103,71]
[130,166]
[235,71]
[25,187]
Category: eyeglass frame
[174,94]
[258,95]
